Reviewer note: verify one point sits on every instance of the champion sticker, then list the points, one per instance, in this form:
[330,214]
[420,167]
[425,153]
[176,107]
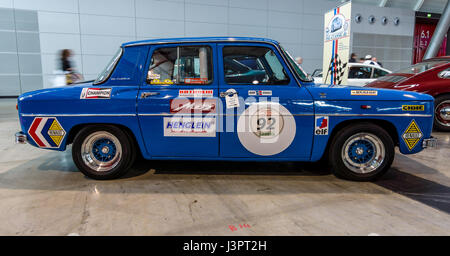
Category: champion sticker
[321,125]
[364,93]
[96,93]
[412,135]
[47,132]
[413,107]
[189,126]
[196,93]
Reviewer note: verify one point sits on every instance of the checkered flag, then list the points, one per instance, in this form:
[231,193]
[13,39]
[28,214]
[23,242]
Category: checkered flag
[336,69]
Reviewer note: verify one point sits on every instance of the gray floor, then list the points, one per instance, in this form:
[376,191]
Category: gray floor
[42,193]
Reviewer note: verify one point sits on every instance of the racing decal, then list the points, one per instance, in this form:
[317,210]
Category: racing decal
[157,81]
[266,128]
[412,135]
[260,93]
[189,126]
[96,93]
[47,132]
[321,125]
[193,106]
[195,80]
[413,107]
[231,99]
[364,92]
[196,93]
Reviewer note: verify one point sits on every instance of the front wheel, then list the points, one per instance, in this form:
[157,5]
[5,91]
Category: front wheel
[102,152]
[361,152]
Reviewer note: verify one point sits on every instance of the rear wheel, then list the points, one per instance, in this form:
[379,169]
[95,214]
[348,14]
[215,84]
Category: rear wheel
[102,152]
[361,152]
[442,113]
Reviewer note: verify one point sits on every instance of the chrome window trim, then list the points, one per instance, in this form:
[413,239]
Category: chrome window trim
[227,41]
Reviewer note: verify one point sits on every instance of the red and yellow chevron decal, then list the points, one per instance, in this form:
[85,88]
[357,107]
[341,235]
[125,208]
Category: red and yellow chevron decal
[47,132]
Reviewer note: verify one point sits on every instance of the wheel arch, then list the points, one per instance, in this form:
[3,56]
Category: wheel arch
[384,124]
[77,128]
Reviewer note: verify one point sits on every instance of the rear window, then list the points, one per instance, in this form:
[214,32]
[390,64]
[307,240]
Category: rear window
[422,67]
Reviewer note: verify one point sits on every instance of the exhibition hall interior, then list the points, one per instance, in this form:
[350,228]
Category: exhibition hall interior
[224,117]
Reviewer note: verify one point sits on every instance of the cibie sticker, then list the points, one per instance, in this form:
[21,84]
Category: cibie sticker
[413,107]
[95,93]
[196,93]
[47,132]
[364,92]
[321,125]
[412,135]
[185,126]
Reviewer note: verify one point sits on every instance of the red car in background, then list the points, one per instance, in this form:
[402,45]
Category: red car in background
[432,76]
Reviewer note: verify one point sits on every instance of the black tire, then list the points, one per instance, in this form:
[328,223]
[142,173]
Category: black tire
[337,157]
[123,160]
[438,124]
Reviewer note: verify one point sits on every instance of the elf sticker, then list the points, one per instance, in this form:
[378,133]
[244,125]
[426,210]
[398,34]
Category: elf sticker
[321,125]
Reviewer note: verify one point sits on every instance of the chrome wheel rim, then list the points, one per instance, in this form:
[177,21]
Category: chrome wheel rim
[101,151]
[363,153]
[442,113]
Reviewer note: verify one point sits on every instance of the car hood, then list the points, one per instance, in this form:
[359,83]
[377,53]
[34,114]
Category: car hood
[50,91]
[339,92]
[389,81]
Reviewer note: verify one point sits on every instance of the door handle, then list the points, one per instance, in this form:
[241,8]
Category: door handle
[224,94]
[148,94]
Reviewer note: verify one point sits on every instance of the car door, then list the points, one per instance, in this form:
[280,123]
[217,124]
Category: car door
[265,112]
[176,103]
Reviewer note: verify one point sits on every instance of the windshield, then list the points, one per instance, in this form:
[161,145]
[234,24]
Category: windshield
[300,72]
[109,68]
[421,67]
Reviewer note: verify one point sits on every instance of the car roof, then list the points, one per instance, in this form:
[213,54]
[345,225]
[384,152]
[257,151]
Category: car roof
[200,39]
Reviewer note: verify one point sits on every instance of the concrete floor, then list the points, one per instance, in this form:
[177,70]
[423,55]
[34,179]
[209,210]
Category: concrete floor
[42,193]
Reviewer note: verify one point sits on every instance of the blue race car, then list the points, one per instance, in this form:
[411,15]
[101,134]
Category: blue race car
[237,99]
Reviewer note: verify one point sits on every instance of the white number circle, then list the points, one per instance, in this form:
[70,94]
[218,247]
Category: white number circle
[266,128]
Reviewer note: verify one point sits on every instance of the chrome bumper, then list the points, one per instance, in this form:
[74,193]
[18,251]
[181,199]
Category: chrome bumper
[429,143]
[21,138]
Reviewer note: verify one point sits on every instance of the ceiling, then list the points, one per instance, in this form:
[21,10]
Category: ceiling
[434,6]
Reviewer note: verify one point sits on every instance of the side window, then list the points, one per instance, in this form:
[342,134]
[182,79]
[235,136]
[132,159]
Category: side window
[379,73]
[252,65]
[181,65]
[360,72]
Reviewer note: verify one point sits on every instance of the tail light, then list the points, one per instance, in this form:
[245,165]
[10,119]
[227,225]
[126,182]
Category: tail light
[17,106]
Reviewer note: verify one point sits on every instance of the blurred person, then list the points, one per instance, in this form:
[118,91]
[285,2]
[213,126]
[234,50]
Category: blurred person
[374,59]
[66,66]
[369,61]
[361,60]
[353,58]
[299,61]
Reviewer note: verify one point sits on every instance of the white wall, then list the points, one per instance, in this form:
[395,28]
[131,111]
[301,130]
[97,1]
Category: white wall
[94,29]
